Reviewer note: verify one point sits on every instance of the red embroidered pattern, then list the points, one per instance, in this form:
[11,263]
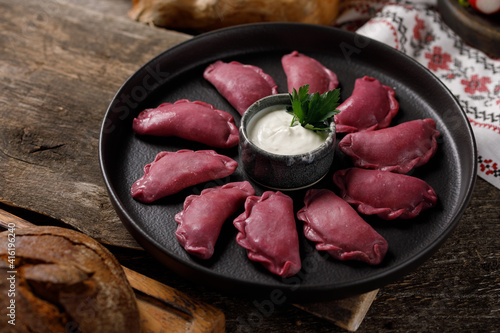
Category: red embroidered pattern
[476,84]
[489,167]
[420,31]
[488,126]
[437,59]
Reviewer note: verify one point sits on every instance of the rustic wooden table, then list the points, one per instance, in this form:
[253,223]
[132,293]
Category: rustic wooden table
[61,61]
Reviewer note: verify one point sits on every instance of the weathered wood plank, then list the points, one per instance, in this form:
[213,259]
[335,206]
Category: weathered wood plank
[347,313]
[60,66]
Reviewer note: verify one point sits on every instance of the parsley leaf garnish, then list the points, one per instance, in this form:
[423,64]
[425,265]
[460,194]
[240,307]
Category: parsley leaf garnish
[313,111]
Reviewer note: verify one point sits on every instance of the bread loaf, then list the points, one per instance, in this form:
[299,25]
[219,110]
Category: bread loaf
[205,15]
[64,282]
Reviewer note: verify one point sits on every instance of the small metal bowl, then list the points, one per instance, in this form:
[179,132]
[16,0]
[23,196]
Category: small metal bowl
[283,172]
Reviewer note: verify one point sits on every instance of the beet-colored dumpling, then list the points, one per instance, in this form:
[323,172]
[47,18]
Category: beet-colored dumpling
[371,106]
[267,230]
[398,149]
[195,121]
[203,216]
[337,228]
[172,172]
[386,194]
[301,70]
[241,85]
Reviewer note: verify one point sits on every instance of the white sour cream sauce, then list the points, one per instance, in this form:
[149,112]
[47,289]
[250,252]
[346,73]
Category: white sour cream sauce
[270,130]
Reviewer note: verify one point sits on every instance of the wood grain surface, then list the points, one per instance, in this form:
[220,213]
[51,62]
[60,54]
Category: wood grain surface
[61,63]
[59,69]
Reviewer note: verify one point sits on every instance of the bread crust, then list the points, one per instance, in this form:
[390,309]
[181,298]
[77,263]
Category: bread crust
[205,15]
[65,280]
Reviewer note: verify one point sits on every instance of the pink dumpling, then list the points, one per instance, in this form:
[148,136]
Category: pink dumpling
[301,70]
[195,121]
[241,85]
[386,194]
[371,106]
[267,230]
[203,215]
[399,148]
[172,172]
[338,229]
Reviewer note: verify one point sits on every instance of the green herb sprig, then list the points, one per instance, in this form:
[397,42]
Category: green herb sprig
[313,111]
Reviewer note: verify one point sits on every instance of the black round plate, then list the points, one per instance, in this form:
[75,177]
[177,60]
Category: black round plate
[177,74]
